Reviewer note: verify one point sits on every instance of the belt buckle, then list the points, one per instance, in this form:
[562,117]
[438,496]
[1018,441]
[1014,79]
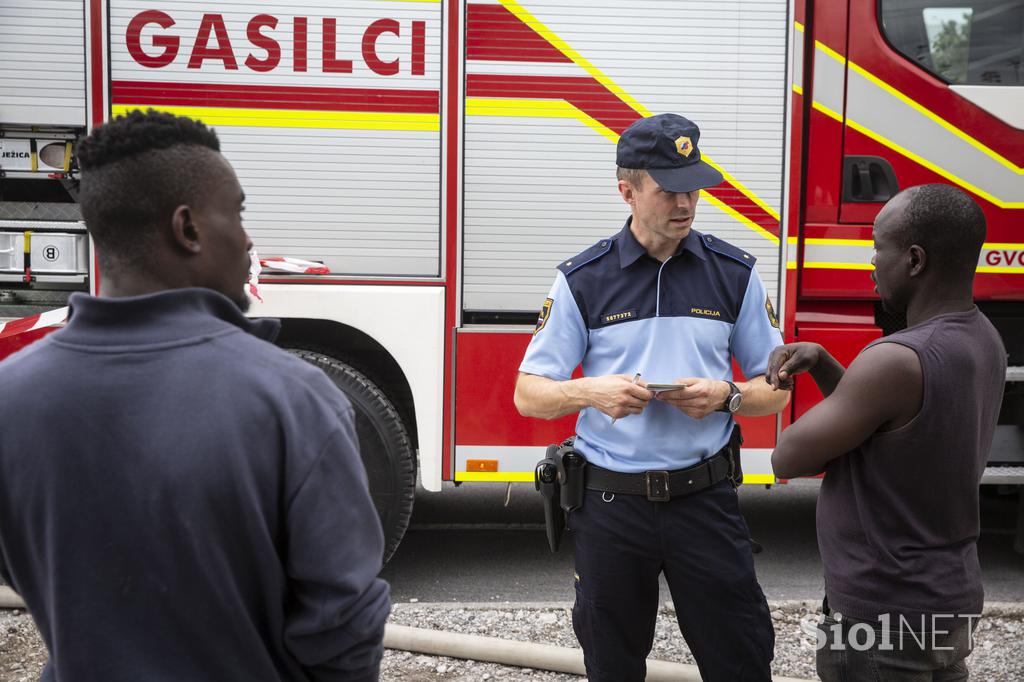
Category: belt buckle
[656,486]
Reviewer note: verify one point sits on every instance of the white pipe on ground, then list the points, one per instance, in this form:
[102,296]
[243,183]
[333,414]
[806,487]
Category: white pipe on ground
[522,654]
[489,649]
[9,599]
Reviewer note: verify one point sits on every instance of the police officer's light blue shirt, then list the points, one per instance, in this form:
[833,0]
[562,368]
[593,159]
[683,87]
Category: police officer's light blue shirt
[617,310]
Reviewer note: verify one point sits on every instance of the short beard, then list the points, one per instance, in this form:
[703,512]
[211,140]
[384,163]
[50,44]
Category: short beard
[894,306]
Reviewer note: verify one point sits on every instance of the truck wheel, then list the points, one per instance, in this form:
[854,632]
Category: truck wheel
[384,444]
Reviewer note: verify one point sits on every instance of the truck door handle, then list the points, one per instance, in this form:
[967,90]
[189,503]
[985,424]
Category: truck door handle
[868,179]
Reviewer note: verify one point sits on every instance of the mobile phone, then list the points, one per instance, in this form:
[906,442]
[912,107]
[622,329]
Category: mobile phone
[661,388]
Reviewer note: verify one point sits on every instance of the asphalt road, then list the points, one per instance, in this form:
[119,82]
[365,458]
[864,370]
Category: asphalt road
[465,545]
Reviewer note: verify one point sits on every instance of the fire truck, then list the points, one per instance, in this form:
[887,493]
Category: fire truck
[438,158]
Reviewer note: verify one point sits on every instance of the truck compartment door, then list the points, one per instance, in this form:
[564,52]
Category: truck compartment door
[935,89]
[42,63]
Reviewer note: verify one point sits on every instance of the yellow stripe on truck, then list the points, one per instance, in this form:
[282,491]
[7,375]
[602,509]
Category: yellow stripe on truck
[980,146]
[885,140]
[527,477]
[553,38]
[286,118]
[536,108]
[495,476]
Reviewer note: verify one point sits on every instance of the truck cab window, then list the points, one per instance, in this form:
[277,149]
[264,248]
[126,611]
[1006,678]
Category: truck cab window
[963,42]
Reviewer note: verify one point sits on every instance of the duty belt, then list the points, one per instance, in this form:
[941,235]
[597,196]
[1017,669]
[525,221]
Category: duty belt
[661,486]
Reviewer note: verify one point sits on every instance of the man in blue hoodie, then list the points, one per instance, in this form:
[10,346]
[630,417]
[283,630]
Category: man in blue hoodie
[180,499]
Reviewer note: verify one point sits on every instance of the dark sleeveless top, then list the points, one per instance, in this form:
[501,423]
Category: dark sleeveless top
[898,516]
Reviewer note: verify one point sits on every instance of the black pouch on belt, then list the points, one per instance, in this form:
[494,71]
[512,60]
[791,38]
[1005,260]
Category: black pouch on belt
[545,479]
[735,468]
[571,472]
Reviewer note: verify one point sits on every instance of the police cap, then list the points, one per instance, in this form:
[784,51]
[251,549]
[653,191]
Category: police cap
[666,147]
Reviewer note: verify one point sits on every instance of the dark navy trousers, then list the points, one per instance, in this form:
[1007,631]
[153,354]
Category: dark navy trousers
[702,544]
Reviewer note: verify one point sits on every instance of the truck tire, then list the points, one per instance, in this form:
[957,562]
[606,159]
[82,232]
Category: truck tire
[384,445]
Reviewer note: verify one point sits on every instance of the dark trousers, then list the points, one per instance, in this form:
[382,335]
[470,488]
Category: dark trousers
[702,544]
[851,650]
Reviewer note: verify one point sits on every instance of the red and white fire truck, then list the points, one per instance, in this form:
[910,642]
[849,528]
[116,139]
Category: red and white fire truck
[440,157]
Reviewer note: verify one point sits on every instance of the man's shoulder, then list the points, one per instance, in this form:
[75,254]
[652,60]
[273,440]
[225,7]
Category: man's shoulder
[992,337]
[26,361]
[886,372]
[588,257]
[280,381]
[264,359]
[888,355]
[727,252]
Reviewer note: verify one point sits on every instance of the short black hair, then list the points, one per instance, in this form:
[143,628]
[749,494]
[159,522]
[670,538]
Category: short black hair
[946,222]
[136,170]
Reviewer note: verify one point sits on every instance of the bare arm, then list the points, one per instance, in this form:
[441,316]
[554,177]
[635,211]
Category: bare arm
[796,358]
[616,395]
[702,397]
[881,390]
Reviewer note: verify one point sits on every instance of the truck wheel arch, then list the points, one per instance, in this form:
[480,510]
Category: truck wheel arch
[358,350]
[367,376]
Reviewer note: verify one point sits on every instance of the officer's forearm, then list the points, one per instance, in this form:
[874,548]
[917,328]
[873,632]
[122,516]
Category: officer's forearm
[759,398]
[545,398]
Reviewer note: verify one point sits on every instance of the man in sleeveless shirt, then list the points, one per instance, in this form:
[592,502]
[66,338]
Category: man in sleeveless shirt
[902,436]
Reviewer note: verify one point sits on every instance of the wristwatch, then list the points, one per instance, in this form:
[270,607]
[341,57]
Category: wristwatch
[733,400]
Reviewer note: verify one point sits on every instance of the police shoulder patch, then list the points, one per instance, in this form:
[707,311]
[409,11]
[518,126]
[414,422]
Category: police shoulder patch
[724,248]
[589,255]
[545,313]
[772,318]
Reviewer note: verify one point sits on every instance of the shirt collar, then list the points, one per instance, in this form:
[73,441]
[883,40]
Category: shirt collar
[630,249]
[171,316]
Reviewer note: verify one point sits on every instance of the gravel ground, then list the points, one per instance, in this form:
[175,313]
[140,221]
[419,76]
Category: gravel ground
[998,654]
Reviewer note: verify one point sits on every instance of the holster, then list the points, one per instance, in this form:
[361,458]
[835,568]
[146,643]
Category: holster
[571,473]
[735,467]
[559,478]
[545,480]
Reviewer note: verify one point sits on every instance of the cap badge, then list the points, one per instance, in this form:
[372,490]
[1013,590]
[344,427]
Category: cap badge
[684,146]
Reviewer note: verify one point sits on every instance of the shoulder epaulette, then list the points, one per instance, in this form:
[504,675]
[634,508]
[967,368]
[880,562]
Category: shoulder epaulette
[724,248]
[588,256]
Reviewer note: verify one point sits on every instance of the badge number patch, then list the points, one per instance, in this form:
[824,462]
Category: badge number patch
[612,318]
[771,312]
[545,313]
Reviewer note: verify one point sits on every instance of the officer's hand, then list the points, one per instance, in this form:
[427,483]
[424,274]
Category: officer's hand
[699,398]
[616,395]
[787,361]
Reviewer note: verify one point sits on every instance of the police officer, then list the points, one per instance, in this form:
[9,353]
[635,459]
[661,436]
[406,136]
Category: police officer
[659,302]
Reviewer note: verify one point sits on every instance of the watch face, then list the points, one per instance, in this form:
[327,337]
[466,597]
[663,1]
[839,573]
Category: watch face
[734,402]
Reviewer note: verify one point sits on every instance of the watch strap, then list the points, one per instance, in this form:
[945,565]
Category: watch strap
[733,392]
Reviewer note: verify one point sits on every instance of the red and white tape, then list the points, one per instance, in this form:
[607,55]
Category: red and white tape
[27,324]
[254,275]
[60,315]
[294,265]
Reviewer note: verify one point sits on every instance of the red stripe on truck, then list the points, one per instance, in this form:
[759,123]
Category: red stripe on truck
[15,327]
[495,34]
[593,98]
[583,92]
[275,97]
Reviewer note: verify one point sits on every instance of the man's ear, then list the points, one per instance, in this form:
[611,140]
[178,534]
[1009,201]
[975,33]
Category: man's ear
[627,192]
[917,259]
[185,230]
